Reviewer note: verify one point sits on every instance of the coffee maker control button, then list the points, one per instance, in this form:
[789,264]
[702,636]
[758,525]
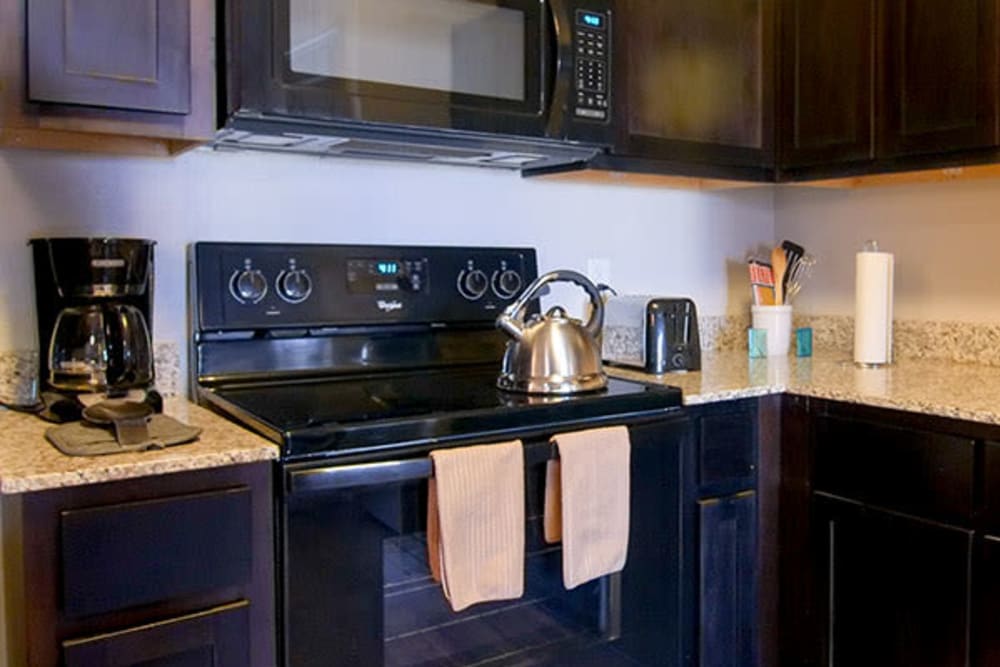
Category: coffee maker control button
[248,286]
[294,285]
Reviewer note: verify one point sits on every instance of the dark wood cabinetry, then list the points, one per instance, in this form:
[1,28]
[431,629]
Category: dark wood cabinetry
[128,54]
[939,68]
[727,578]
[723,505]
[870,86]
[213,638]
[697,82]
[827,81]
[117,76]
[175,570]
[890,540]
[897,587]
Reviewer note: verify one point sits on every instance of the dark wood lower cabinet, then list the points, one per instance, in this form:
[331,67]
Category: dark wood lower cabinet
[212,638]
[725,504]
[898,588]
[727,591]
[986,602]
[163,571]
[890,554]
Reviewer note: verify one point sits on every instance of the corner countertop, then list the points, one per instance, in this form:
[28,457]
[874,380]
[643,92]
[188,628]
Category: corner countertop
[28,462]
[933,387]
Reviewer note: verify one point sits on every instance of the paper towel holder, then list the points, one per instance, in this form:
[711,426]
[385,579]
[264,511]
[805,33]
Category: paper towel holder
[879,323]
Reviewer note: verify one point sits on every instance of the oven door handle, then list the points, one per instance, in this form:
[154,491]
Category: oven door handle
[363,474]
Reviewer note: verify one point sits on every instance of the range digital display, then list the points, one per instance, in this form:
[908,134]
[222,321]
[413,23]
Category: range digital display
[384,268]
[381,275]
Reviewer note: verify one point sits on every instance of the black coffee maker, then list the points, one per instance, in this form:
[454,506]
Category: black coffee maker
[94,303]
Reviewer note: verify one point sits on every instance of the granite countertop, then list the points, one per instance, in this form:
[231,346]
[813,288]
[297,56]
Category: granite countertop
[28,462]
[934,387]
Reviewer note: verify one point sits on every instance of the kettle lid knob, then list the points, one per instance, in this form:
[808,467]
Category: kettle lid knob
[556,312]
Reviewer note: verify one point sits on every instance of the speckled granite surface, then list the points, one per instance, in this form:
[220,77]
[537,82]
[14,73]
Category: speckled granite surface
[962,342]
[934,387]
[29,463]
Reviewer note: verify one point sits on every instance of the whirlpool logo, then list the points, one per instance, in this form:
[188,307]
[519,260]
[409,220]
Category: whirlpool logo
[389,306]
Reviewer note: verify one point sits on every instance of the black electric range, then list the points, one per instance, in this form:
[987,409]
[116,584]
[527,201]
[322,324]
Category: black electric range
[359,361]
[369,414]
[335,351]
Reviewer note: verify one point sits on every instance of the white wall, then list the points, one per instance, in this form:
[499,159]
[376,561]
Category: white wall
[945,238]
[658,241]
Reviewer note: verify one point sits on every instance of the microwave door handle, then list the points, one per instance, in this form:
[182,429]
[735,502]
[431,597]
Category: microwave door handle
[364,474]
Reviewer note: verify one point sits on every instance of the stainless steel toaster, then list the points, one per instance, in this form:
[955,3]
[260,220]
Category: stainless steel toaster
[656,334]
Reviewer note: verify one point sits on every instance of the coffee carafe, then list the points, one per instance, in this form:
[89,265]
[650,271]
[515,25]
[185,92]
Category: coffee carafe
[94,300]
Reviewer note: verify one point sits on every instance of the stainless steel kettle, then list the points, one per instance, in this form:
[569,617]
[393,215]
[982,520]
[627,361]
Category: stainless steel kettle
[554,353]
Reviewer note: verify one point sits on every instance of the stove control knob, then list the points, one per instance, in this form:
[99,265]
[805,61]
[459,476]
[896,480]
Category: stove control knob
[506,283]
[248,285]
[294,285]
[472,284]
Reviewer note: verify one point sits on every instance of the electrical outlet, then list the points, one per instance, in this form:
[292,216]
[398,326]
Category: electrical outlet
[599,270]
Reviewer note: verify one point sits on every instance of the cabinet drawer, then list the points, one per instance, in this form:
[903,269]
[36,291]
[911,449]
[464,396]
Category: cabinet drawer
[118,556]
[916,472]
[218,637]
[726,451]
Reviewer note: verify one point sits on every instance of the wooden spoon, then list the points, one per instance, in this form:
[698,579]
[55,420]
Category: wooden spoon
[779,262]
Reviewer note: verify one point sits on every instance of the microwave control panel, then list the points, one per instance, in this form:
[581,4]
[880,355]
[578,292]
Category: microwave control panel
[592,64]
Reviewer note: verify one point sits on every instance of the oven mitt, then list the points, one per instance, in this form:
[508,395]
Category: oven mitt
[85,439]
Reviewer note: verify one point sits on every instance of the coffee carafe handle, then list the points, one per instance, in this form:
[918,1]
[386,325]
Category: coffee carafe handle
[128,342]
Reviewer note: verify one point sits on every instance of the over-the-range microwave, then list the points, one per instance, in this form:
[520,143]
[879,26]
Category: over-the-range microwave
[499,83]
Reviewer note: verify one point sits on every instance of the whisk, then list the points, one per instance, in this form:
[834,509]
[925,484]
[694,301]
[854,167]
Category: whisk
[797,273]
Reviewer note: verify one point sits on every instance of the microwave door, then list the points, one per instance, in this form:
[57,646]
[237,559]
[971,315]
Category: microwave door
[456,64]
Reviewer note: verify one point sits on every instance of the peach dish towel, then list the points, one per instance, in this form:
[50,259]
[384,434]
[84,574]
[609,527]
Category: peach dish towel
[587,502]
[475,522]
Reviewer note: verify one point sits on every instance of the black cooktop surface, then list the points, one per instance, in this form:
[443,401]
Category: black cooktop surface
[358,414]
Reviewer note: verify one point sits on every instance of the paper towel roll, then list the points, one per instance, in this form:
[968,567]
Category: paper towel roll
[873,308]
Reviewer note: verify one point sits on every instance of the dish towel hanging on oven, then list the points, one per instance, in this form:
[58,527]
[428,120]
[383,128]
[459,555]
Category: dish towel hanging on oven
[587,502]
[475,522]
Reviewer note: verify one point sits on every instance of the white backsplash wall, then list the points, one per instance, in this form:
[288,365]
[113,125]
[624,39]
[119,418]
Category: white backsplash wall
[658,241]
[945,238]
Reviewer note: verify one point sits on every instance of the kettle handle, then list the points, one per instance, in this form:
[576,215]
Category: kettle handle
[511,316]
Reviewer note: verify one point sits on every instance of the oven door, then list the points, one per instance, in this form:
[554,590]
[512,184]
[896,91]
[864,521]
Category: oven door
[479,65]
[357,589]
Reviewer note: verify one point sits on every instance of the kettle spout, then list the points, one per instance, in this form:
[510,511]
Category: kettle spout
[508,323]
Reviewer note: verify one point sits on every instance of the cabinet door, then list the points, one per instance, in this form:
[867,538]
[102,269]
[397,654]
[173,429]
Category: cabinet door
[727,594]
[827,78]
[697,75]
[986,637]
[940,76]
[125,54]
[213,638]
[898,588]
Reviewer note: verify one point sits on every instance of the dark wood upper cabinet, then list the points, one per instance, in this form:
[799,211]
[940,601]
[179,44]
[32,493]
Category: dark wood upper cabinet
[827,81]
[111,76]
[128,54]
[940,76]
[698,80]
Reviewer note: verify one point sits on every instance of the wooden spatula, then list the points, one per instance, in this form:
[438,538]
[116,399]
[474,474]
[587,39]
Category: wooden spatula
[778,265]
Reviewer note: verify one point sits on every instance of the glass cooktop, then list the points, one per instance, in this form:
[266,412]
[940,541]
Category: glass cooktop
[358,414]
